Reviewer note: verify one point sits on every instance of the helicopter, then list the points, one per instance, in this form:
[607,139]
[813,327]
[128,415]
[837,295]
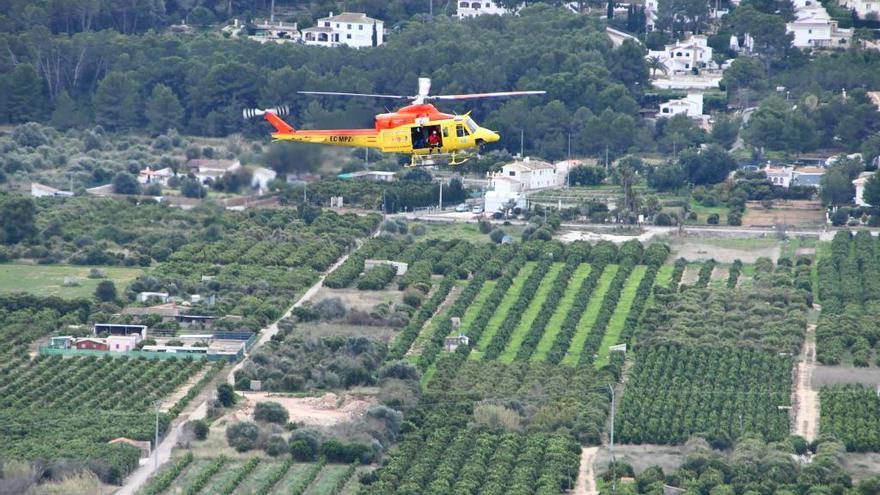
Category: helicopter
[420,130]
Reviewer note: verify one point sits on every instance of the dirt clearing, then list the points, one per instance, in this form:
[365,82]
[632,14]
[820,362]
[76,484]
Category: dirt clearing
[363,300]
[791,213]
[327,410]
[725,250]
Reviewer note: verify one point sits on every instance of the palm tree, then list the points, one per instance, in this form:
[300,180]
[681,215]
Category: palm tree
[654,64]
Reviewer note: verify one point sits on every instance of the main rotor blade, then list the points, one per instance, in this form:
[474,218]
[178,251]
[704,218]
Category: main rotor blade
[331,93]
[484,95]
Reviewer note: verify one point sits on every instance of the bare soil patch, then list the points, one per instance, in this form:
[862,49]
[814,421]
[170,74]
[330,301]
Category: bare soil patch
[796,213]
[691,275]
[861,465]
[328,410]
[586,481]
[182,390]
[363,300]
[727,250]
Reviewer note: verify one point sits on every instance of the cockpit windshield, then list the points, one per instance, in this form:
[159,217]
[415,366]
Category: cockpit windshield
[471,125]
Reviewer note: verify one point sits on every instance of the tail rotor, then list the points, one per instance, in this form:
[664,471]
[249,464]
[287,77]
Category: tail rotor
[250,113]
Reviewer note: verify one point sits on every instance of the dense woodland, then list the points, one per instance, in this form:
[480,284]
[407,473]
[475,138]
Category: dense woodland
[199,85]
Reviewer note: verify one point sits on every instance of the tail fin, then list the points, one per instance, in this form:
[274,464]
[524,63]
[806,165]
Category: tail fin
[272,116]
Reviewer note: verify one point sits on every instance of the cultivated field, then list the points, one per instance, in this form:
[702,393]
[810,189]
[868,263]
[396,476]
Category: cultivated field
[252,476]
[791,213]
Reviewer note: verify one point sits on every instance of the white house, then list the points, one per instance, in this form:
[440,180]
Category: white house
[618,37]
[780,176]
[352,29]
[204,169]
[865,9]
[685,56]
[814,28]
[651,9]
[146,296]
[123,343]
[261,177]
[41,190]
[691,106]
[161,176]
[467,8]
[515,180]
[860,188]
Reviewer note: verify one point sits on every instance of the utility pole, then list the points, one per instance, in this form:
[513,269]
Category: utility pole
[272,12]
[611,448]
[606,159]
[156,442]
[441,194]
[522,140]
[569,145]
[305,189]
[366,157]
[383,204]
[431,9]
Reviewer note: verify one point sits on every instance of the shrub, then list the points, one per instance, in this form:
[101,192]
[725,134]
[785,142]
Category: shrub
[304,444]
[734,219]
[662,219]
[330,308]
[497,235]
[226,395]
[485,226]
[243,436]
[271,412]
[200,429]
[276,445]
[713,219]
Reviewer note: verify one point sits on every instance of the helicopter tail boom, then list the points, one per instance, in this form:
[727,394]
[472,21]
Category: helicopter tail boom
[272,115]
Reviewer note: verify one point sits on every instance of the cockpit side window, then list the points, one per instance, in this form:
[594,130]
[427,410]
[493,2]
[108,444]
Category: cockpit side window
[471,125]
[459,130]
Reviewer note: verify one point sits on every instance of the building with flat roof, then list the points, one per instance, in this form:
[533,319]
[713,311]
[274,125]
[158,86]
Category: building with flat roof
[353,29]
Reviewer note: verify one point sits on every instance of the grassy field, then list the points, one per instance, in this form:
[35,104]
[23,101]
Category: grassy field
[555,323]
[703,213]
[506,302]
[467,231]
[531,312]
[589,317]
[474,309]
[618,318]
[48,280]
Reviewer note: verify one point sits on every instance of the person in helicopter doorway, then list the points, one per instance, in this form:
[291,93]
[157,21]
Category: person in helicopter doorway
[434,141]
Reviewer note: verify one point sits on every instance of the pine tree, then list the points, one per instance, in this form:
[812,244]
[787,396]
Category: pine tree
[163,110]
[66,114]
[116,101]
[25,98]
[375,36]
[610,13]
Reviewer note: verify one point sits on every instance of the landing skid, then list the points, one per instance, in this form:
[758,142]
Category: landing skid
[439,159]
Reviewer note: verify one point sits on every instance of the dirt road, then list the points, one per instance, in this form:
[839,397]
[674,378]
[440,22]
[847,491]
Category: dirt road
[806,400]
[586,481]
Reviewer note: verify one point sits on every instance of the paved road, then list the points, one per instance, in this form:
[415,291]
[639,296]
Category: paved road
[142,474]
